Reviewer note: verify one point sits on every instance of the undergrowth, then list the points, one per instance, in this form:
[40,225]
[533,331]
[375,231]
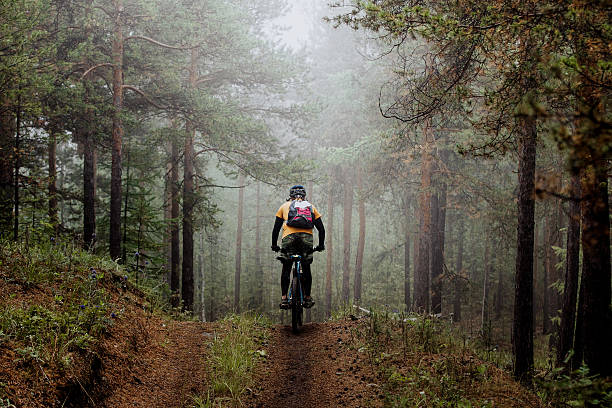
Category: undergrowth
[65,307]
[427,362]
[233,353]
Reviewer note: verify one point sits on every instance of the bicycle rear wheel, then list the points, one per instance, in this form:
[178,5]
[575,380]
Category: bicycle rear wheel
[296,305]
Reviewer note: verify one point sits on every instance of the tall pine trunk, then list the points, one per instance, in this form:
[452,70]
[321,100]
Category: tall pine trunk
[115,199]
[175,245]
[202,280]
[329,246]
[596,314]
[458,273]
[53,211]
[187,289]
[437,261]
[7,129]
[89,190]
[570,293]
[484,311]
[348,214]
[361,239]
[238,265]
[407,298]
[259,274]
[421,273]
[522,339]
[546,323]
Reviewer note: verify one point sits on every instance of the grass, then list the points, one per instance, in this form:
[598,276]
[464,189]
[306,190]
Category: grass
[234,351]
[59,304]
[425,362]
[428,362]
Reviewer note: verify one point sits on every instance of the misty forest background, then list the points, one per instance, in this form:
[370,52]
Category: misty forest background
[166,134]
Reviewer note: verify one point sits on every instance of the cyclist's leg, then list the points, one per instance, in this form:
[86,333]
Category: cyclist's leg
[285,278]
[306,279]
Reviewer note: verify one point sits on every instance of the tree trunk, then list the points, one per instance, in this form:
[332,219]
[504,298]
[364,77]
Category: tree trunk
[596,314]
[175,250]
[189,197]
[16,178]
[53,213]
[241,181]
[570,293]
[484,312]
[361,239]
[546,278]
[115,199]
[536,262]
[348,213]
[421,273]
[7,130]
[258,266]
[437,261]
[202,280]
[499,296]
[329,246]
[188,204]
[458,273]
[407,300]
[522,344]
[125,208]
[89,190]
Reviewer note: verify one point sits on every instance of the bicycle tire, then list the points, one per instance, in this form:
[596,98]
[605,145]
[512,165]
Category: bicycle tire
[296,307]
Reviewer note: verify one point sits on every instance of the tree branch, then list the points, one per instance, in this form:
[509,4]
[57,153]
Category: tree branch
[145,96]
[106,64]
[152,41]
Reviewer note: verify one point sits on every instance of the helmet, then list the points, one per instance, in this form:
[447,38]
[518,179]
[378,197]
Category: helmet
[296,191]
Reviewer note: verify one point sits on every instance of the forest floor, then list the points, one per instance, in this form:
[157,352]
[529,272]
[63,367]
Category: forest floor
[72,336]
[315,368]
[338,364]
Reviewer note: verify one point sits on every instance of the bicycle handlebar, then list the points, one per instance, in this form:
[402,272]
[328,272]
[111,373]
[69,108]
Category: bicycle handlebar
[308,252]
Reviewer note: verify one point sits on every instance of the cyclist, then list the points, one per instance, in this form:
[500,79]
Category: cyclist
[297,217]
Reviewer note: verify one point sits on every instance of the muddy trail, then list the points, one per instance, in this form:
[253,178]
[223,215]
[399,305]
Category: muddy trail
[315,368]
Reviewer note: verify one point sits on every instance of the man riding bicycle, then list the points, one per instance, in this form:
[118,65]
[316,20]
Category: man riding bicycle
[297,217]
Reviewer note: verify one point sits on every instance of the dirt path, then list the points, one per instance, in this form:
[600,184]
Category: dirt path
[315,368]
[153,363]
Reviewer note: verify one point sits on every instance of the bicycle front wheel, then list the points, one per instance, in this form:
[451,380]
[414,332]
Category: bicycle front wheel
[296,305]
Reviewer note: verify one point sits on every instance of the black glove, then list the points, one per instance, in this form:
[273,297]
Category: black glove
[275,248]
[319,248]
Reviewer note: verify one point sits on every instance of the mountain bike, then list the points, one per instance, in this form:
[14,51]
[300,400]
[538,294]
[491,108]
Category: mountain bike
[295,296]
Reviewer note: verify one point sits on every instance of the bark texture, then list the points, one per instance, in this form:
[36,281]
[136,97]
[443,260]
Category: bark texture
[522,340]
[117,137]
[421,272]
[175,250]
[347,219]
[238,265]
[361,238]
[458,274]
[329,247]
[570,294]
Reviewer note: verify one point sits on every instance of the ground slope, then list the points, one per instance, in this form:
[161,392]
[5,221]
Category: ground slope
[316,368]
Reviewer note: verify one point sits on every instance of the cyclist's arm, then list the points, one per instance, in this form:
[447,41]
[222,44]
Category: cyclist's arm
[278,223]
[319,226]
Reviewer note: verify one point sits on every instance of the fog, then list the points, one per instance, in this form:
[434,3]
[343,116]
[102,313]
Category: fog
[166,134]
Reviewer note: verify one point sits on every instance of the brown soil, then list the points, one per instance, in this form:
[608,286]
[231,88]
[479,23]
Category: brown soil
[143,361]
[316,368]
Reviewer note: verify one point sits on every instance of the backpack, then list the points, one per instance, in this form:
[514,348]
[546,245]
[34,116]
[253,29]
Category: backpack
[300,215]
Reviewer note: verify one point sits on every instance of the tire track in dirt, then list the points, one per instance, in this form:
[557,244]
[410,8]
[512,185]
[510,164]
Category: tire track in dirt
[315,368]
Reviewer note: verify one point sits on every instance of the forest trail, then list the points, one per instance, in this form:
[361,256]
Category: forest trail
[315,368]
[154,363]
